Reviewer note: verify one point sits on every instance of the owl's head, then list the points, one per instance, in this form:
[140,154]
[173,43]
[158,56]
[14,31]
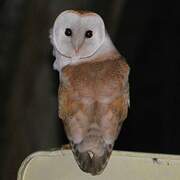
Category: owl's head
[78,33]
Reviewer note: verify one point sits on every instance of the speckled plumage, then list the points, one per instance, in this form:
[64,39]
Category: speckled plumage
[93,102]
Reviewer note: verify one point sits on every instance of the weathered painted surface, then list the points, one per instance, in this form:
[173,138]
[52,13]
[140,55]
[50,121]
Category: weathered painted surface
[60,165]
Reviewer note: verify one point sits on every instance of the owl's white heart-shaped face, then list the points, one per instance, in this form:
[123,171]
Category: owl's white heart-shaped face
[78,35]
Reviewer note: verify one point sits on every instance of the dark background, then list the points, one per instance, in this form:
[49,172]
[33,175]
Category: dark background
[146,32]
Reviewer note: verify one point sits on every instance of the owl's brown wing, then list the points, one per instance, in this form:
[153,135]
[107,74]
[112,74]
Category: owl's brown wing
[93,103]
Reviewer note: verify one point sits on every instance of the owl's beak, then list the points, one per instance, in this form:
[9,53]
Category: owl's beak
[76,50]
[77,44]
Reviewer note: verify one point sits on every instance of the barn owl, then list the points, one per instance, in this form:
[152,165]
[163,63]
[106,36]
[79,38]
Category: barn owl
[93,93]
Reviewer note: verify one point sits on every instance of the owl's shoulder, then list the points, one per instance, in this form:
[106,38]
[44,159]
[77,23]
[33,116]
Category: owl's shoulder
[106,70]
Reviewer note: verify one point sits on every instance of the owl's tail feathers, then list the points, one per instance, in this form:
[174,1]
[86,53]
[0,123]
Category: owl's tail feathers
[92,159]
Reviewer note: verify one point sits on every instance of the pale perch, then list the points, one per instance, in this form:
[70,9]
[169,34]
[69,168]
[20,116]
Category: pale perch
[60,165]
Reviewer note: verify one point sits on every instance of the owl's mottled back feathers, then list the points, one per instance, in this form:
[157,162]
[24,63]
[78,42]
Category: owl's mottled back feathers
[93,104]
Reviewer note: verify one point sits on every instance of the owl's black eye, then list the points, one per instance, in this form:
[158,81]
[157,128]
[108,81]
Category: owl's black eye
[89,34]
[68,32]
